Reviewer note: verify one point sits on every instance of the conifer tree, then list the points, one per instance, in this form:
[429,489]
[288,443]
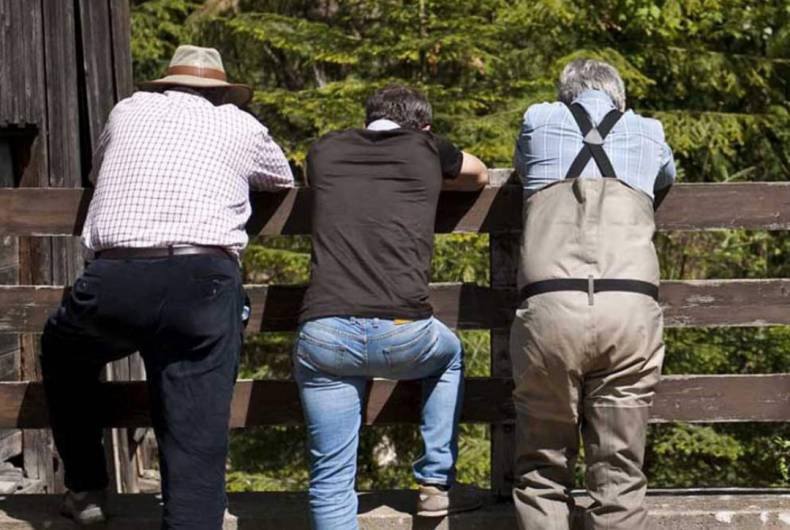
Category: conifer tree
[715,72]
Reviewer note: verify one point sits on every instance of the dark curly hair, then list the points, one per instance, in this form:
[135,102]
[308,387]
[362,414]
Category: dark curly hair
[406,106]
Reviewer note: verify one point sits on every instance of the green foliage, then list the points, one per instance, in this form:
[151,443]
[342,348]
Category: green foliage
[701,454]
[732,455]
[715,72]
[458,258]
[727,351]
[263,265]
[158,26]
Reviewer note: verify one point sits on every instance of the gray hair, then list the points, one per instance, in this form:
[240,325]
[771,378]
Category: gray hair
[588,74]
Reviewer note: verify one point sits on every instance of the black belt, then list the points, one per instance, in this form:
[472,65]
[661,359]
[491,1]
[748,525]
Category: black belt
[162,252]
[590,286]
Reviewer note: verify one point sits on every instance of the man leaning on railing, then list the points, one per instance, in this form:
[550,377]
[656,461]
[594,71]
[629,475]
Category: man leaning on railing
[586,343]
[366,312]
[165,227]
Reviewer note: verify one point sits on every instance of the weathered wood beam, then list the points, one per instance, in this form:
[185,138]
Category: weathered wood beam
[690,303]
[685,398]
[750,205]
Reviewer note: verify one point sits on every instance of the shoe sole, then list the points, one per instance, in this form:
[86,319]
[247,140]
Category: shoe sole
[445,513]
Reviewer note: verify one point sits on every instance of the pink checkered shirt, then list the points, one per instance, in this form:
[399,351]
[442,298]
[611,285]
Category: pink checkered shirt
[174,169]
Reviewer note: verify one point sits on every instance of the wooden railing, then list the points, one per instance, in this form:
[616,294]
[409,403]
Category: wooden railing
[495,210]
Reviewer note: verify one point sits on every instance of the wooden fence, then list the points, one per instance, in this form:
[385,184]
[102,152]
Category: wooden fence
[496,210]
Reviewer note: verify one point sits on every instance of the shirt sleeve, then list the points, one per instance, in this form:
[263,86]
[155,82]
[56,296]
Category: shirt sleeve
[270,167]
[450,158]
[520,153]
[667,172]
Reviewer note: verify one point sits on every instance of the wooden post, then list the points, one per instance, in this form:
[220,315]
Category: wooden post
[504,254]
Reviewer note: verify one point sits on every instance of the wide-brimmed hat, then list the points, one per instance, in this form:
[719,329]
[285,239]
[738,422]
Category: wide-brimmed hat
[196,67]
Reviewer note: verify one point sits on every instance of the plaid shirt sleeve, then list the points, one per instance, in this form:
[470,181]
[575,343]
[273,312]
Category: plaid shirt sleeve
[271,170]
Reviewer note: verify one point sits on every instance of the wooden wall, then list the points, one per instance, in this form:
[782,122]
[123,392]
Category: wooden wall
[10,439]
[63,64]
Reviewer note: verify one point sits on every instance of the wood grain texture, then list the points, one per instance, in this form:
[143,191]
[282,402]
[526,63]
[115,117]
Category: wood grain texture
[687,398]
[750,205]
[120,18]
[504,259]
[693,303]
[96,40]
[678,509]
[21,62]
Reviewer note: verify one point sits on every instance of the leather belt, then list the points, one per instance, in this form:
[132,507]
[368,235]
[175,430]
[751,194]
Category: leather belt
[589,286]
[162,252]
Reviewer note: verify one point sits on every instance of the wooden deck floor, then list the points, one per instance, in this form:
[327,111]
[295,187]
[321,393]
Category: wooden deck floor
[676,510]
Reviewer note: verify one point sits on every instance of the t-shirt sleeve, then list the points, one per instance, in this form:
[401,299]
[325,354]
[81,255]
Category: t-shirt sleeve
[450,158]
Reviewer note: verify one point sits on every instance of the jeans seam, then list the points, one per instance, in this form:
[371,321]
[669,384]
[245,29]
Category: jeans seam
[391,333]
[304,337]
[330,328]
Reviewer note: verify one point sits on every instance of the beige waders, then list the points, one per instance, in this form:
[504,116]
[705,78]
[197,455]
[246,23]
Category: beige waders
[586,345]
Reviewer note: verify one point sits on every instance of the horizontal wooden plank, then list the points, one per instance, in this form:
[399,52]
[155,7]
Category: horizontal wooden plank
[686,398]
[707,303]
[751,205]
[700,303]
[722,398]
[465,306]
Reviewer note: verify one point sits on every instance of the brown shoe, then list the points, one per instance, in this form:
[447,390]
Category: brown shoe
[437,502]
[86,507]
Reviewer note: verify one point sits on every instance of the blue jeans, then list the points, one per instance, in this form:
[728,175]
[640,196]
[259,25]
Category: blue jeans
[334,358]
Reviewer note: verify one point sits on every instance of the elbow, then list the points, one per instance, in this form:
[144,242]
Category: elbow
[478,173]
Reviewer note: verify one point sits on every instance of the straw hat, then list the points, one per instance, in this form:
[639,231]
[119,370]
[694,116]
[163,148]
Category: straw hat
[196,67]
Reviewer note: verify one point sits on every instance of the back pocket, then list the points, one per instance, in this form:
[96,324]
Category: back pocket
[321,347]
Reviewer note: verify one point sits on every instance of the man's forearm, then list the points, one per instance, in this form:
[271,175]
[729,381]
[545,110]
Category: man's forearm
[473,175]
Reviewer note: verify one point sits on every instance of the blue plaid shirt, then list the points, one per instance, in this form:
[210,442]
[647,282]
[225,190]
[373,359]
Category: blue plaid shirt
[550,140]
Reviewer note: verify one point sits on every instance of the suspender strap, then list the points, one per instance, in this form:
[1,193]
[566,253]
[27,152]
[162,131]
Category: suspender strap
[585,284]
[593,142]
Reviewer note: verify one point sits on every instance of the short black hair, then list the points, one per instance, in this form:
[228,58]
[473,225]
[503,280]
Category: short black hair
[406,106]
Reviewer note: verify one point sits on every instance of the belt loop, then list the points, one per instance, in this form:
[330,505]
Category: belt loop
[170,251]
[590,290]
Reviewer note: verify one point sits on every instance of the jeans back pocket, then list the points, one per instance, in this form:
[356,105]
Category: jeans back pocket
[323,348]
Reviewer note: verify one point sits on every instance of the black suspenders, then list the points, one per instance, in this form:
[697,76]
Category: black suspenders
[593,142]
[592,149]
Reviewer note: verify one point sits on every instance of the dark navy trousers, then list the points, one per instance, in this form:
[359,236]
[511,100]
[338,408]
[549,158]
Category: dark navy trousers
[183,313]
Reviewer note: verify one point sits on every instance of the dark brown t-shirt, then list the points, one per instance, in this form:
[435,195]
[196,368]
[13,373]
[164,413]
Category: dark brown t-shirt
[374,206]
